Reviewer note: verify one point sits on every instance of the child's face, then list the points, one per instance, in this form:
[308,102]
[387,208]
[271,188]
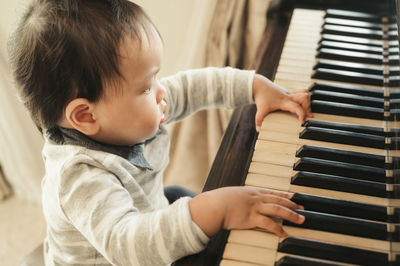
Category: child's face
[134,111]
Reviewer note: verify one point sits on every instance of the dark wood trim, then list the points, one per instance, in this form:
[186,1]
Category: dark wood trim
[228,169]
[267,61]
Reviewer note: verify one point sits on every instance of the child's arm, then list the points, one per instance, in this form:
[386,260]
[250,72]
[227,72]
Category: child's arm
[269,97]
[190,91]
[243,208]
[196,89]
[236,207]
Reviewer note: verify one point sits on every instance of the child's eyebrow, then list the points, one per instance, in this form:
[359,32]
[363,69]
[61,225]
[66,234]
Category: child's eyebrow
[152,73]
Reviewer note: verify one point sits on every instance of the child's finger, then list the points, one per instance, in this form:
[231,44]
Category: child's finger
[295,108]
[273,199]
[298,91]
[271,226]
[287,195]
[303,99]
[279,211]
[259,118]
[302,96]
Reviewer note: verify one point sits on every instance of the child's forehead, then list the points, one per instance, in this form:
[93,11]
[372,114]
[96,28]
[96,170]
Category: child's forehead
[140,55]
[133,43]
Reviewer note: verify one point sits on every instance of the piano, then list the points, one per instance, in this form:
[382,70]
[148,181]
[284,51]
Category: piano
[343,163]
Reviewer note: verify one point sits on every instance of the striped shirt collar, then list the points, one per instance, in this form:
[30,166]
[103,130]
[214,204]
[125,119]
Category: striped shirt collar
[134,154]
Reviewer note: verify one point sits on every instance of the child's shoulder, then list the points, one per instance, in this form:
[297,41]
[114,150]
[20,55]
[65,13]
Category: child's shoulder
[66,158]
[68,162]
[69,154]
[69,167]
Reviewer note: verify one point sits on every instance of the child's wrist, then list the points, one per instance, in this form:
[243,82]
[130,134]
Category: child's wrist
[207,212]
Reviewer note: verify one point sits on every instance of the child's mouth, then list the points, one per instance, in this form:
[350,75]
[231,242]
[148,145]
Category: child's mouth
[162,118]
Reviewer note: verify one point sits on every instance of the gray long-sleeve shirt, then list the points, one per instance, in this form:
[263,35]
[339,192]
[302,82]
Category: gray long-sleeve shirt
[102,209]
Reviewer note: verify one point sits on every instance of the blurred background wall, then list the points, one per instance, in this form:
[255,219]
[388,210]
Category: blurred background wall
[196,33]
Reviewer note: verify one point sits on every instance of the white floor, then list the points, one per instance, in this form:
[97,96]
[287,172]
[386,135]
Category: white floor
[22,228]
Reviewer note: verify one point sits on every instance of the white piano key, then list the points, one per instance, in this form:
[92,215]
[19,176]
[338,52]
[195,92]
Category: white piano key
[275,176]
[226,262]
[288,138]
[275,158]
[267,240]
[259,256]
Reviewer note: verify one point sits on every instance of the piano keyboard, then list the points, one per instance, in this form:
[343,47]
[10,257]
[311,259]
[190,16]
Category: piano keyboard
[342,162]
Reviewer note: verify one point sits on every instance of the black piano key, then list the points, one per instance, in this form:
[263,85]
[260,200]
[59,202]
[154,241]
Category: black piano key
[350,47]
[359,16]
[352,110]
[344,208]
[393,59]
[358,40]
[327,251]
[342,225]
[395,103]
[394,80]
[358,23]
[353,23]
[357,57]
[343,137]
[361,172]
[394,143]
[395,113]
[301,261]
[341,156]
[378,131]
[344,88]
[352,31]
[355,40]
[347,98]
[395,165]
[393,35]
[347,76]
[349,66]
[338,183]
[395,94]
[374,17]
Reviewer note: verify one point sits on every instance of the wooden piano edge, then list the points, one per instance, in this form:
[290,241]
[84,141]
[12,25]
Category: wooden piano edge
[233,158]
[230,165]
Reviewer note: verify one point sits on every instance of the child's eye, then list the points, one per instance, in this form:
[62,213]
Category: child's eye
[147,91]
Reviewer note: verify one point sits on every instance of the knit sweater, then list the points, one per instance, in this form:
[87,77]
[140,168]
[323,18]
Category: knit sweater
[103,209]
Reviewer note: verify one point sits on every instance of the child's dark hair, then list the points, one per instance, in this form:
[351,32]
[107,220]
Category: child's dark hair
[65,49]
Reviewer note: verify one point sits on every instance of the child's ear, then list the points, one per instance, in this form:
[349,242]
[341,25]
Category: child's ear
[79,113]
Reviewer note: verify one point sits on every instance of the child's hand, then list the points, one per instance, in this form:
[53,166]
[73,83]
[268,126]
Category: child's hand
[243,208]
[270,97]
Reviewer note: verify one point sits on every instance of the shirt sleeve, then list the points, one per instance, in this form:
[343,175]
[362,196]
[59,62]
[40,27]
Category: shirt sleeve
[103,211]
[193,90]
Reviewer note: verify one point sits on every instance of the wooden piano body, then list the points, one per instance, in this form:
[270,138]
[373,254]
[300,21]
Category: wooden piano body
[234,160]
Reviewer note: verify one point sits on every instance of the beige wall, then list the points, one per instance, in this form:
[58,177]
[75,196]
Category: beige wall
[20,142]
[170,17]
[183,25]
